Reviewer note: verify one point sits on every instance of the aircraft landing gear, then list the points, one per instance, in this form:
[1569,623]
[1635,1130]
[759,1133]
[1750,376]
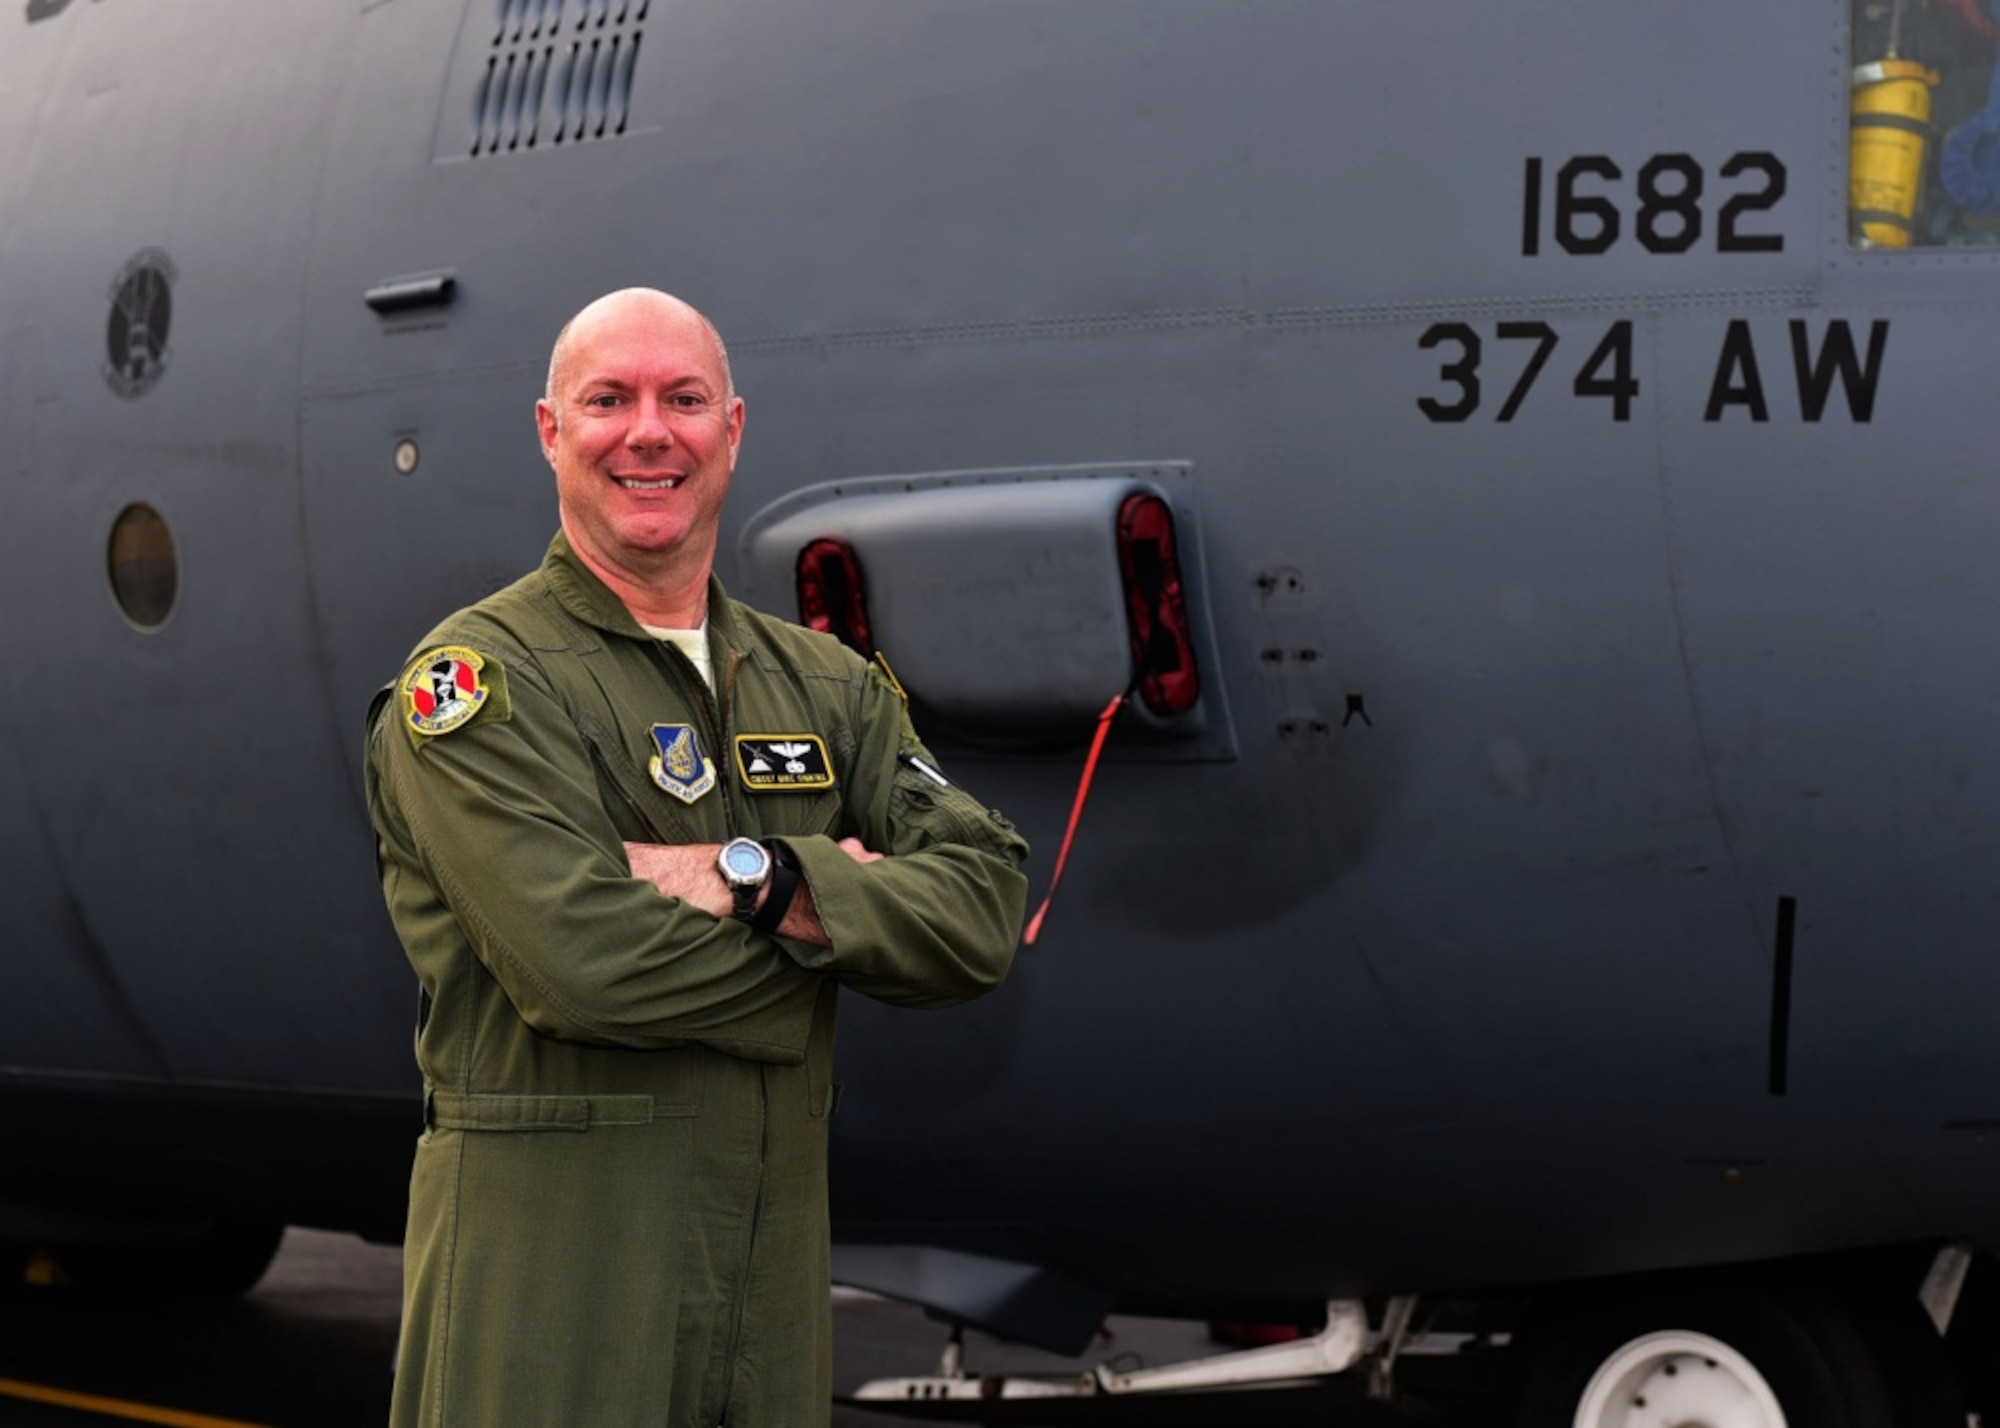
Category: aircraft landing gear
[1689,1377]
[1738,1357]
[207,1261]
[1341,1345]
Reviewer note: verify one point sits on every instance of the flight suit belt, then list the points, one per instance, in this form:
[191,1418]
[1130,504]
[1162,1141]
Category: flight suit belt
[454,1110]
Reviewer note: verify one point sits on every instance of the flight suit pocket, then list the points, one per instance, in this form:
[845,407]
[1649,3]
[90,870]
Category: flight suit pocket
[822,1091]
[637,809]
[795,815]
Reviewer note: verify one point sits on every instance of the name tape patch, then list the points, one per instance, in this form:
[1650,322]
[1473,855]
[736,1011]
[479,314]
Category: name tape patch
[783,763]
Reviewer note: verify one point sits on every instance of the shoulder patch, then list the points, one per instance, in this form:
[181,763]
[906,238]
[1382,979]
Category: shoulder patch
[446,687]
[783,763]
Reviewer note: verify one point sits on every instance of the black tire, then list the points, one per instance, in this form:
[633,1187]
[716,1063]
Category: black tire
[1825,1365]
[1974,1340]
[204,1264]
[1913,1361]
[1888,1335]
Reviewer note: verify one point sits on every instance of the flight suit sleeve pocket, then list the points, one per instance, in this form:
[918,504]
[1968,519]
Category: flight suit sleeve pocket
[945,813]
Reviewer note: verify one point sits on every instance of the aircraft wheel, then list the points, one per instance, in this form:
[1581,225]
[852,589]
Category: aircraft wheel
[1682,1377]
[1732,1360]
[216,1261]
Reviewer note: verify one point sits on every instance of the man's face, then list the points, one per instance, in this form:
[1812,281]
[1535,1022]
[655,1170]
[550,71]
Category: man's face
[642,433]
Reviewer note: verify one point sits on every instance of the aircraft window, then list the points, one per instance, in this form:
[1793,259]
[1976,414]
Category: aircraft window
[1924,162]
[145,571]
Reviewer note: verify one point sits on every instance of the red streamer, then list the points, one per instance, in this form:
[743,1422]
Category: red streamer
[1075,814]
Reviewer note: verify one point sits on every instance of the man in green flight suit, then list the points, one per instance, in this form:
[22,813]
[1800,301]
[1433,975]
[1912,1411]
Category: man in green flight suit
[634,836]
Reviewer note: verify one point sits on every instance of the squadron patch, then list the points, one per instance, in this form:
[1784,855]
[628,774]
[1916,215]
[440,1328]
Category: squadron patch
[680,767]
[783,763]
[442,689]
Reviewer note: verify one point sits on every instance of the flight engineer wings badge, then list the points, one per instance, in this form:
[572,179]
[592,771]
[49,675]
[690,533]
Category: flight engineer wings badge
[783,763]
[442,689]
[680,767]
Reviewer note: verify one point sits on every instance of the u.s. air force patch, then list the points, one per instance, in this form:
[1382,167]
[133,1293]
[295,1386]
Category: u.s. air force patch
[442,689]
[783,763]
[680,767]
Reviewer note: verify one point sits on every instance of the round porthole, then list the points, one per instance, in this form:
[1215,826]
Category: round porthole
[145,572]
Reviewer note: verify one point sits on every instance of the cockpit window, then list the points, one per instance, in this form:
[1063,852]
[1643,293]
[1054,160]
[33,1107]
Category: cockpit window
[1924,156]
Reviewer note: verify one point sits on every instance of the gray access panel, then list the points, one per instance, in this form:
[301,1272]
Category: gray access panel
[997,597]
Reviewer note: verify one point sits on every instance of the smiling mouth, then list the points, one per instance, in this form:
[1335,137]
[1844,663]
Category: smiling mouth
[634,483]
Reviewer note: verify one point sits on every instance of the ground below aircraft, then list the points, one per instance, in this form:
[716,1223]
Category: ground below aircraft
[1534,462]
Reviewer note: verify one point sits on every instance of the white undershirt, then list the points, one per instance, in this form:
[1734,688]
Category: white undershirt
[692,643]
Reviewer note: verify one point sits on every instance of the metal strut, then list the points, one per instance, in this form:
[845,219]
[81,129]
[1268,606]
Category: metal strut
[1334,1349]
[1389,1346]
[1945,1282]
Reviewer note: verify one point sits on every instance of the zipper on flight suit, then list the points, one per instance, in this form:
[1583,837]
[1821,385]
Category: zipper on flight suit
[719,707]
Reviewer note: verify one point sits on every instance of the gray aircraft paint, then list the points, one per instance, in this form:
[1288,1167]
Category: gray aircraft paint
[1506,939]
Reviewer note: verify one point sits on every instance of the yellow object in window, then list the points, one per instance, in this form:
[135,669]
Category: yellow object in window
[1891,127]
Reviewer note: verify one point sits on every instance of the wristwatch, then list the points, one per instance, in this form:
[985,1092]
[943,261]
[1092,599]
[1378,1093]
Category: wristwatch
[745,865]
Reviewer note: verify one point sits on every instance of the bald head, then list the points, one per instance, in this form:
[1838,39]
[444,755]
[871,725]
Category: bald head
[620,306]
[641,426]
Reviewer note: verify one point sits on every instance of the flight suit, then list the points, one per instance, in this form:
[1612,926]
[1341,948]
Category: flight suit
[618,1206]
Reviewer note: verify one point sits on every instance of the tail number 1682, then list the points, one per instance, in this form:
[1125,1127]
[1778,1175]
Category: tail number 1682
[1588,213]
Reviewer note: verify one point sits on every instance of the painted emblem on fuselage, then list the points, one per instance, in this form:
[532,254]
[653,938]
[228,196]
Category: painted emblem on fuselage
[142,312]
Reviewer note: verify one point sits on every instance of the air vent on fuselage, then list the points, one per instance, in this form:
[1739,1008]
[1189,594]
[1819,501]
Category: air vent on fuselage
[557,72]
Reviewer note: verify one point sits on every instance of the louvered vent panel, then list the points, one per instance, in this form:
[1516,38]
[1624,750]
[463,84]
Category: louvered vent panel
[557,72]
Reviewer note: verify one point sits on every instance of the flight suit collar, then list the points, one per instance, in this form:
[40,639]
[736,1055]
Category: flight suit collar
[578,590]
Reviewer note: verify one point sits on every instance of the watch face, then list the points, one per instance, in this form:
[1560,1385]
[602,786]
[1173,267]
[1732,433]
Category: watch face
[745,860]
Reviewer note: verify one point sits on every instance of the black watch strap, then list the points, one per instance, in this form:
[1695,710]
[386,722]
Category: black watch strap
[783,884]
